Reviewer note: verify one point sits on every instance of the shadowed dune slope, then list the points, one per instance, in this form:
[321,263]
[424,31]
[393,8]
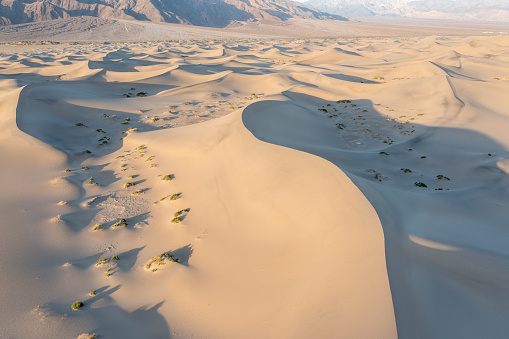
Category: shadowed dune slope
[351,188]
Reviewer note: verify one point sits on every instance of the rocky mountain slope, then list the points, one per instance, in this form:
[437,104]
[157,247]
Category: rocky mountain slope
[213,13]
[488,10]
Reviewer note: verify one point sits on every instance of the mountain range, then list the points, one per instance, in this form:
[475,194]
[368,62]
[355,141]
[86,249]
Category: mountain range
[212,13]
[487,10]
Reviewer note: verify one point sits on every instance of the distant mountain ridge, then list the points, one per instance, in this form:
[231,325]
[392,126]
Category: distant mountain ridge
[213,13]
[487,10]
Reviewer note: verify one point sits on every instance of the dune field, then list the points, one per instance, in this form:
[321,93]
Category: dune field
[322,188]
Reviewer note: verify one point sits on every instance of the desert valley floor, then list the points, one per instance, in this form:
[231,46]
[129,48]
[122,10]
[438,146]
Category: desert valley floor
[324,188]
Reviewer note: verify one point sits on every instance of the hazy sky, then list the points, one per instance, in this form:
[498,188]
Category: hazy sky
[307,0]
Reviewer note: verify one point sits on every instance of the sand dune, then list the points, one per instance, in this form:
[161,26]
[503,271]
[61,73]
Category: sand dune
[351,188]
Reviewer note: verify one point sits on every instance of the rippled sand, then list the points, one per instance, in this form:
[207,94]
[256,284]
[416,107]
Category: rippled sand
[337,188]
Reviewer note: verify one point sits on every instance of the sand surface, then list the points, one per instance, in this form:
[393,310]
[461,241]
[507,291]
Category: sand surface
[89,29]
[332,188]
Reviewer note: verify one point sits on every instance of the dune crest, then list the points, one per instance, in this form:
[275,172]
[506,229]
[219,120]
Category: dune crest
[349,188]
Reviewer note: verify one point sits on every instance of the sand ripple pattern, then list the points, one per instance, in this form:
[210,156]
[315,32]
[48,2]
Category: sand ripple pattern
[351,188]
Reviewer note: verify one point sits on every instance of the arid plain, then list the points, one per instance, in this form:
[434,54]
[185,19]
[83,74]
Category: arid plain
[248,188]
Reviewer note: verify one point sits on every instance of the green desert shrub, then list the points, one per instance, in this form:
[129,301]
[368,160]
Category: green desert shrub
[179,213]
[120,223]
[167,177]
[101,262]
[420,184]
[175,196]
[77,305]
[161,259]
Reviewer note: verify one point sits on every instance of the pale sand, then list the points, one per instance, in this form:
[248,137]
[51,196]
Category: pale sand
[299,227]
[88,29]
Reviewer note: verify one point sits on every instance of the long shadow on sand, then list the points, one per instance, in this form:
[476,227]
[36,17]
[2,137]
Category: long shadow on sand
[447,265]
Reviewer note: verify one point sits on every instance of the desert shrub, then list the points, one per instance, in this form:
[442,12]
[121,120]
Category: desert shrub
[167,177]
[97,227]
[92,293]
[406,170]
[343,102]
[340,126]
[441,177]
[175,196]
[420,184]
[142,94]
[178,213]
[120,223]
[87,336]
[129,184]
[85,167]
[101,262]
[115,257]
[161,260]
[176,220]
[77,305]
